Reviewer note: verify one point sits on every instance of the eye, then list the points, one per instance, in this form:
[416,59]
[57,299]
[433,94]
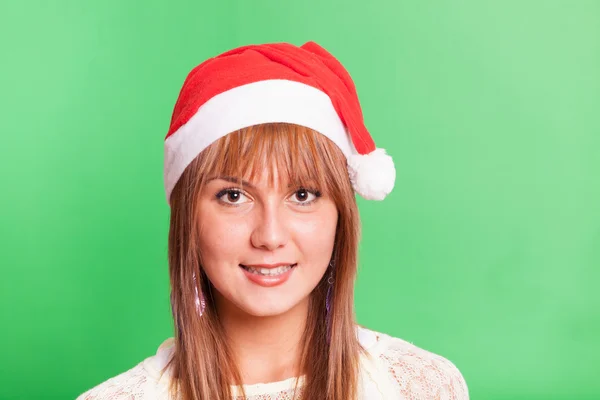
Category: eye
[232,196]
[304,196]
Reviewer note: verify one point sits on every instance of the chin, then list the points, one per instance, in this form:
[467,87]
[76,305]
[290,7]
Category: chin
[268,309]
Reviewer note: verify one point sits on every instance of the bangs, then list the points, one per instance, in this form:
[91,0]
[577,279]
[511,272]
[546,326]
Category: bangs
[289,154]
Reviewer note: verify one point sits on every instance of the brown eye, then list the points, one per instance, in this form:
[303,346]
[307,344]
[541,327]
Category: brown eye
[232,196]
[304,196]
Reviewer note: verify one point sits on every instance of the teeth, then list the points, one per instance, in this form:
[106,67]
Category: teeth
[268,271]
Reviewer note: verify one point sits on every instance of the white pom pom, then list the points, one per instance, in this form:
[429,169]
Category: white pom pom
[372,175]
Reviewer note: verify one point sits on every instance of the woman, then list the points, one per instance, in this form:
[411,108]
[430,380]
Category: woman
[266,149]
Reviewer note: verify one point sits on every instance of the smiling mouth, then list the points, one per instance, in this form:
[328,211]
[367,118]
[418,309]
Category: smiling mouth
[269,271]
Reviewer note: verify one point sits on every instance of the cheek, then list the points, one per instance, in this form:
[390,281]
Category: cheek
[315,236]
[220,241]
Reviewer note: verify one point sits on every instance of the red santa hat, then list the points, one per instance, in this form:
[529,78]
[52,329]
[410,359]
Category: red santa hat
[277,82]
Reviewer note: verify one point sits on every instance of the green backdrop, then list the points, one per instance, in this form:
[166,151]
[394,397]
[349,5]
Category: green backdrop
[487,252]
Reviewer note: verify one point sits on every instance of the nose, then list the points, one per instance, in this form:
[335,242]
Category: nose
[270,231]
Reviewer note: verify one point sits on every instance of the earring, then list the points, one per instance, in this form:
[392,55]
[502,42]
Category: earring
[198,299]
[328,300]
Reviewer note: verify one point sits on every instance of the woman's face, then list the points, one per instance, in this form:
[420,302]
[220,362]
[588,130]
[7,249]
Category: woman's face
[265,247]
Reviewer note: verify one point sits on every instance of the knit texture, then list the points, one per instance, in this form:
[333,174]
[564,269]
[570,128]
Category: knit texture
[396,369]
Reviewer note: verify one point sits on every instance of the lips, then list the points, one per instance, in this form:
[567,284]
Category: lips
[268,275]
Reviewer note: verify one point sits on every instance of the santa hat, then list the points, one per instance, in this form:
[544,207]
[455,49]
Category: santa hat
[277,82]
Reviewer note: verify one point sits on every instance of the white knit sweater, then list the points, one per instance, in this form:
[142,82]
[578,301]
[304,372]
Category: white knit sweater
[395,369]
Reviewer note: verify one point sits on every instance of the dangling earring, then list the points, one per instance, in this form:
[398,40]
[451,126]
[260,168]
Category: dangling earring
[198,299]
[328,300]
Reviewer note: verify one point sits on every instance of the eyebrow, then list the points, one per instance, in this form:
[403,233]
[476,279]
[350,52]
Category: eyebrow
[237,181]
[233,180]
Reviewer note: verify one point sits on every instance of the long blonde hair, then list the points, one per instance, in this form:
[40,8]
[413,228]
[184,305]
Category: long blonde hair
[202,364]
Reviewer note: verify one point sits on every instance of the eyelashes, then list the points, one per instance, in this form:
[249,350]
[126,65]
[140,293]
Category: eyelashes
[307,192]
[234,196]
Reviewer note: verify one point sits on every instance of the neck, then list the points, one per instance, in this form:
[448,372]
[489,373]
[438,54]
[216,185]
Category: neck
[267,349]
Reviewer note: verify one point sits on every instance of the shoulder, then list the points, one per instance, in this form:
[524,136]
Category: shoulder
[146,380]
[413,372]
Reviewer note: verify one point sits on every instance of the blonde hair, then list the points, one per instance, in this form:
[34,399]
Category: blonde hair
[202,365]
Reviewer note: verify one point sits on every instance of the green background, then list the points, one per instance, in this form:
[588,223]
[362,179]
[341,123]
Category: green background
[487,252]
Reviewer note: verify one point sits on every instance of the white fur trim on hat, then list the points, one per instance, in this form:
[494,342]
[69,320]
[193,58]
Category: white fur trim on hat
[260,102]
[372,175]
